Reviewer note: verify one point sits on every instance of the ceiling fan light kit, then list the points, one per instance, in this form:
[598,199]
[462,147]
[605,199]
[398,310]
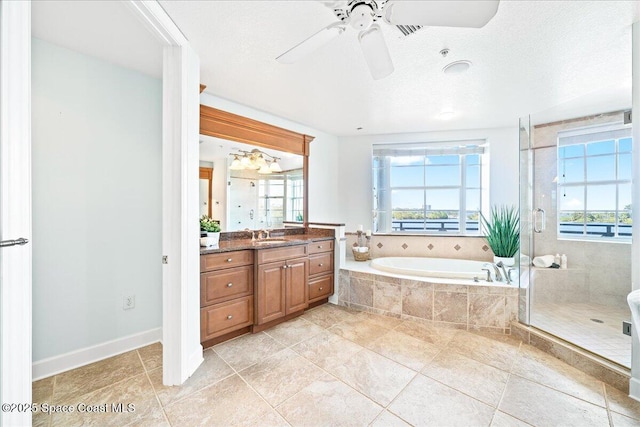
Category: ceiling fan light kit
[362,15]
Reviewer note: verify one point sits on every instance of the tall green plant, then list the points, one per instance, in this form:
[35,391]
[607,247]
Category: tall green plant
[502,230]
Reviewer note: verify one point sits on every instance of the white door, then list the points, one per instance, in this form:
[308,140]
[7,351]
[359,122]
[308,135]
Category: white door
[15,212]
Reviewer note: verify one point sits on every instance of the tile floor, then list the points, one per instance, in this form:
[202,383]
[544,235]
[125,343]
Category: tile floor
[572,322]
[337,367]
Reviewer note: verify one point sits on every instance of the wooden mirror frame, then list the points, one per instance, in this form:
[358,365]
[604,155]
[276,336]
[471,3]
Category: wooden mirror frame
[225,125]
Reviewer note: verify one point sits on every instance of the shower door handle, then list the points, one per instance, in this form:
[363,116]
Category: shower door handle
[543,221]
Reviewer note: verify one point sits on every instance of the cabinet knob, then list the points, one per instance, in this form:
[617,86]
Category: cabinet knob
[320,288]
[319,246]
[320,265]
[229,259]
[229,285]
[229,317]
[285,266]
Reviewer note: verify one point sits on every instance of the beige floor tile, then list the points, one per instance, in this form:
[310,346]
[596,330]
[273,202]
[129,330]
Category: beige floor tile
[40,419]
[230,402]
[405,349]
[500,419]
[361,332]
[328,315]
[327,349]
[620,420]
[621,403]
[496,350]
[540,367]
[471,377]
[387,419]
[96,375]
[377,319]
[426,402]
[329,402]
[281,376]
[374,376]
[294,331]
[543,406]
[95,408]
[244,351]
[427,333]
[151,356]
[42,390]
[212,370]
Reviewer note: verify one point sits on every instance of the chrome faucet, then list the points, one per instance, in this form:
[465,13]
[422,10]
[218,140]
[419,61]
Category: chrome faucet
[489,279]
[497,271]
[504,270]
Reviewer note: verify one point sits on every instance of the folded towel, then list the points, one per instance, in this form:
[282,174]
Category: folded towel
[543,261]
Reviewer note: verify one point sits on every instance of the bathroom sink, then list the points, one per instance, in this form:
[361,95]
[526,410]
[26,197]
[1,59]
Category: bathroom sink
[269,241]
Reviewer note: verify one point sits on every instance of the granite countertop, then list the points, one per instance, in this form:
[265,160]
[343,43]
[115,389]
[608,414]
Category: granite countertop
[274,242]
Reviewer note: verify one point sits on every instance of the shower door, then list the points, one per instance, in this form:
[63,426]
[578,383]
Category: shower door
[566,207]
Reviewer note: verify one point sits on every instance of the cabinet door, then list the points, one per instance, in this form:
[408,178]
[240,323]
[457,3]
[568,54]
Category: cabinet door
[297,292]
[270,292]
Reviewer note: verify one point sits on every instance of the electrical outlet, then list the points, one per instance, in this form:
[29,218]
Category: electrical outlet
[129,302]
[626,328]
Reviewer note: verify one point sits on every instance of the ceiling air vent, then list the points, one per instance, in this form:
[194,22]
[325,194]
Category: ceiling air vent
[408,29]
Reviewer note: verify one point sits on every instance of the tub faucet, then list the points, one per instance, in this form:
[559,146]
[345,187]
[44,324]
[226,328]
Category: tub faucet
[497,271]
[266,234]
[504,270]
[489,279]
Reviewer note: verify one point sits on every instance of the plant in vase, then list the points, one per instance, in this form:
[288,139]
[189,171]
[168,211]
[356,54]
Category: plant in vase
[502,231]
[212,228]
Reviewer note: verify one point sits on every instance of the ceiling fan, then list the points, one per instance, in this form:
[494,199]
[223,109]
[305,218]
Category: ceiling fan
[364,15]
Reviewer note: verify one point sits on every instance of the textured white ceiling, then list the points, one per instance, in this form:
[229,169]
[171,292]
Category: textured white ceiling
[534,55]
[104,29]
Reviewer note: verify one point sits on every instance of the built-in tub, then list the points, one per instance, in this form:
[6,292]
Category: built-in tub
[431,267]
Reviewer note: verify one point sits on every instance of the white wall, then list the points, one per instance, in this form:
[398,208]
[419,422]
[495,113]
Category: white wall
[323,170]
[355,176]
[97,152]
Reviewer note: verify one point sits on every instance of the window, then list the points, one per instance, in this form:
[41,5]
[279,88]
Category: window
[594,182]
[427,189]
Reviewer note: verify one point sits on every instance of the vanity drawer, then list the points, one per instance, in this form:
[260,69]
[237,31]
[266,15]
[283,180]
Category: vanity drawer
[279,254]
[223,285]
[320,288]
[226,317]
[322,246]
[225,260]
[321,263]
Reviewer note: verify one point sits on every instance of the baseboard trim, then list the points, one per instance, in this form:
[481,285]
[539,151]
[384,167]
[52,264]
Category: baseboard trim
[634,389]
[54,365]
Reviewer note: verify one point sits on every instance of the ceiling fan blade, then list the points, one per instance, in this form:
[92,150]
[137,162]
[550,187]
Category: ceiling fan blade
[376,52]
[439,13]
[312,43]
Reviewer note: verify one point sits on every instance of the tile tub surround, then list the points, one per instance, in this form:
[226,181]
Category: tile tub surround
[411,245]
[317,371]
[459,304]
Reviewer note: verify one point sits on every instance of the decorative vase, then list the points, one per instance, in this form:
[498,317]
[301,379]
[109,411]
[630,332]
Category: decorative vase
[212,239]
[509,262]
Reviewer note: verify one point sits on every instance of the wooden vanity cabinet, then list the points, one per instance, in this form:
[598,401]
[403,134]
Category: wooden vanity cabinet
[226,294]
[281,283]
[321,256]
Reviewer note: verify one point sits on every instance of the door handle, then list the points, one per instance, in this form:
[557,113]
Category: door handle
[6,243]
[542,222]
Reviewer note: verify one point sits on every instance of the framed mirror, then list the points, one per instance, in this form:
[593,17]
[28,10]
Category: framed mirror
[259,171]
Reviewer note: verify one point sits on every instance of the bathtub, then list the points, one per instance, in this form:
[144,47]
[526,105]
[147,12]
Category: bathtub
[446,268]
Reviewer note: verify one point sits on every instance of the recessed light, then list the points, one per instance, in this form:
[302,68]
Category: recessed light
[457,67]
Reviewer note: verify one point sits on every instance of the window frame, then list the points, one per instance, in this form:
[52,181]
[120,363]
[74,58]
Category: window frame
[586,183]
[461,149]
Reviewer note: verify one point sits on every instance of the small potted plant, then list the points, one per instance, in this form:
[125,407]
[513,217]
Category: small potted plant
[212,228]
[502,231]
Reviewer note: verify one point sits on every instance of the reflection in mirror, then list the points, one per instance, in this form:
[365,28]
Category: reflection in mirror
[206,178]
[253,196]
